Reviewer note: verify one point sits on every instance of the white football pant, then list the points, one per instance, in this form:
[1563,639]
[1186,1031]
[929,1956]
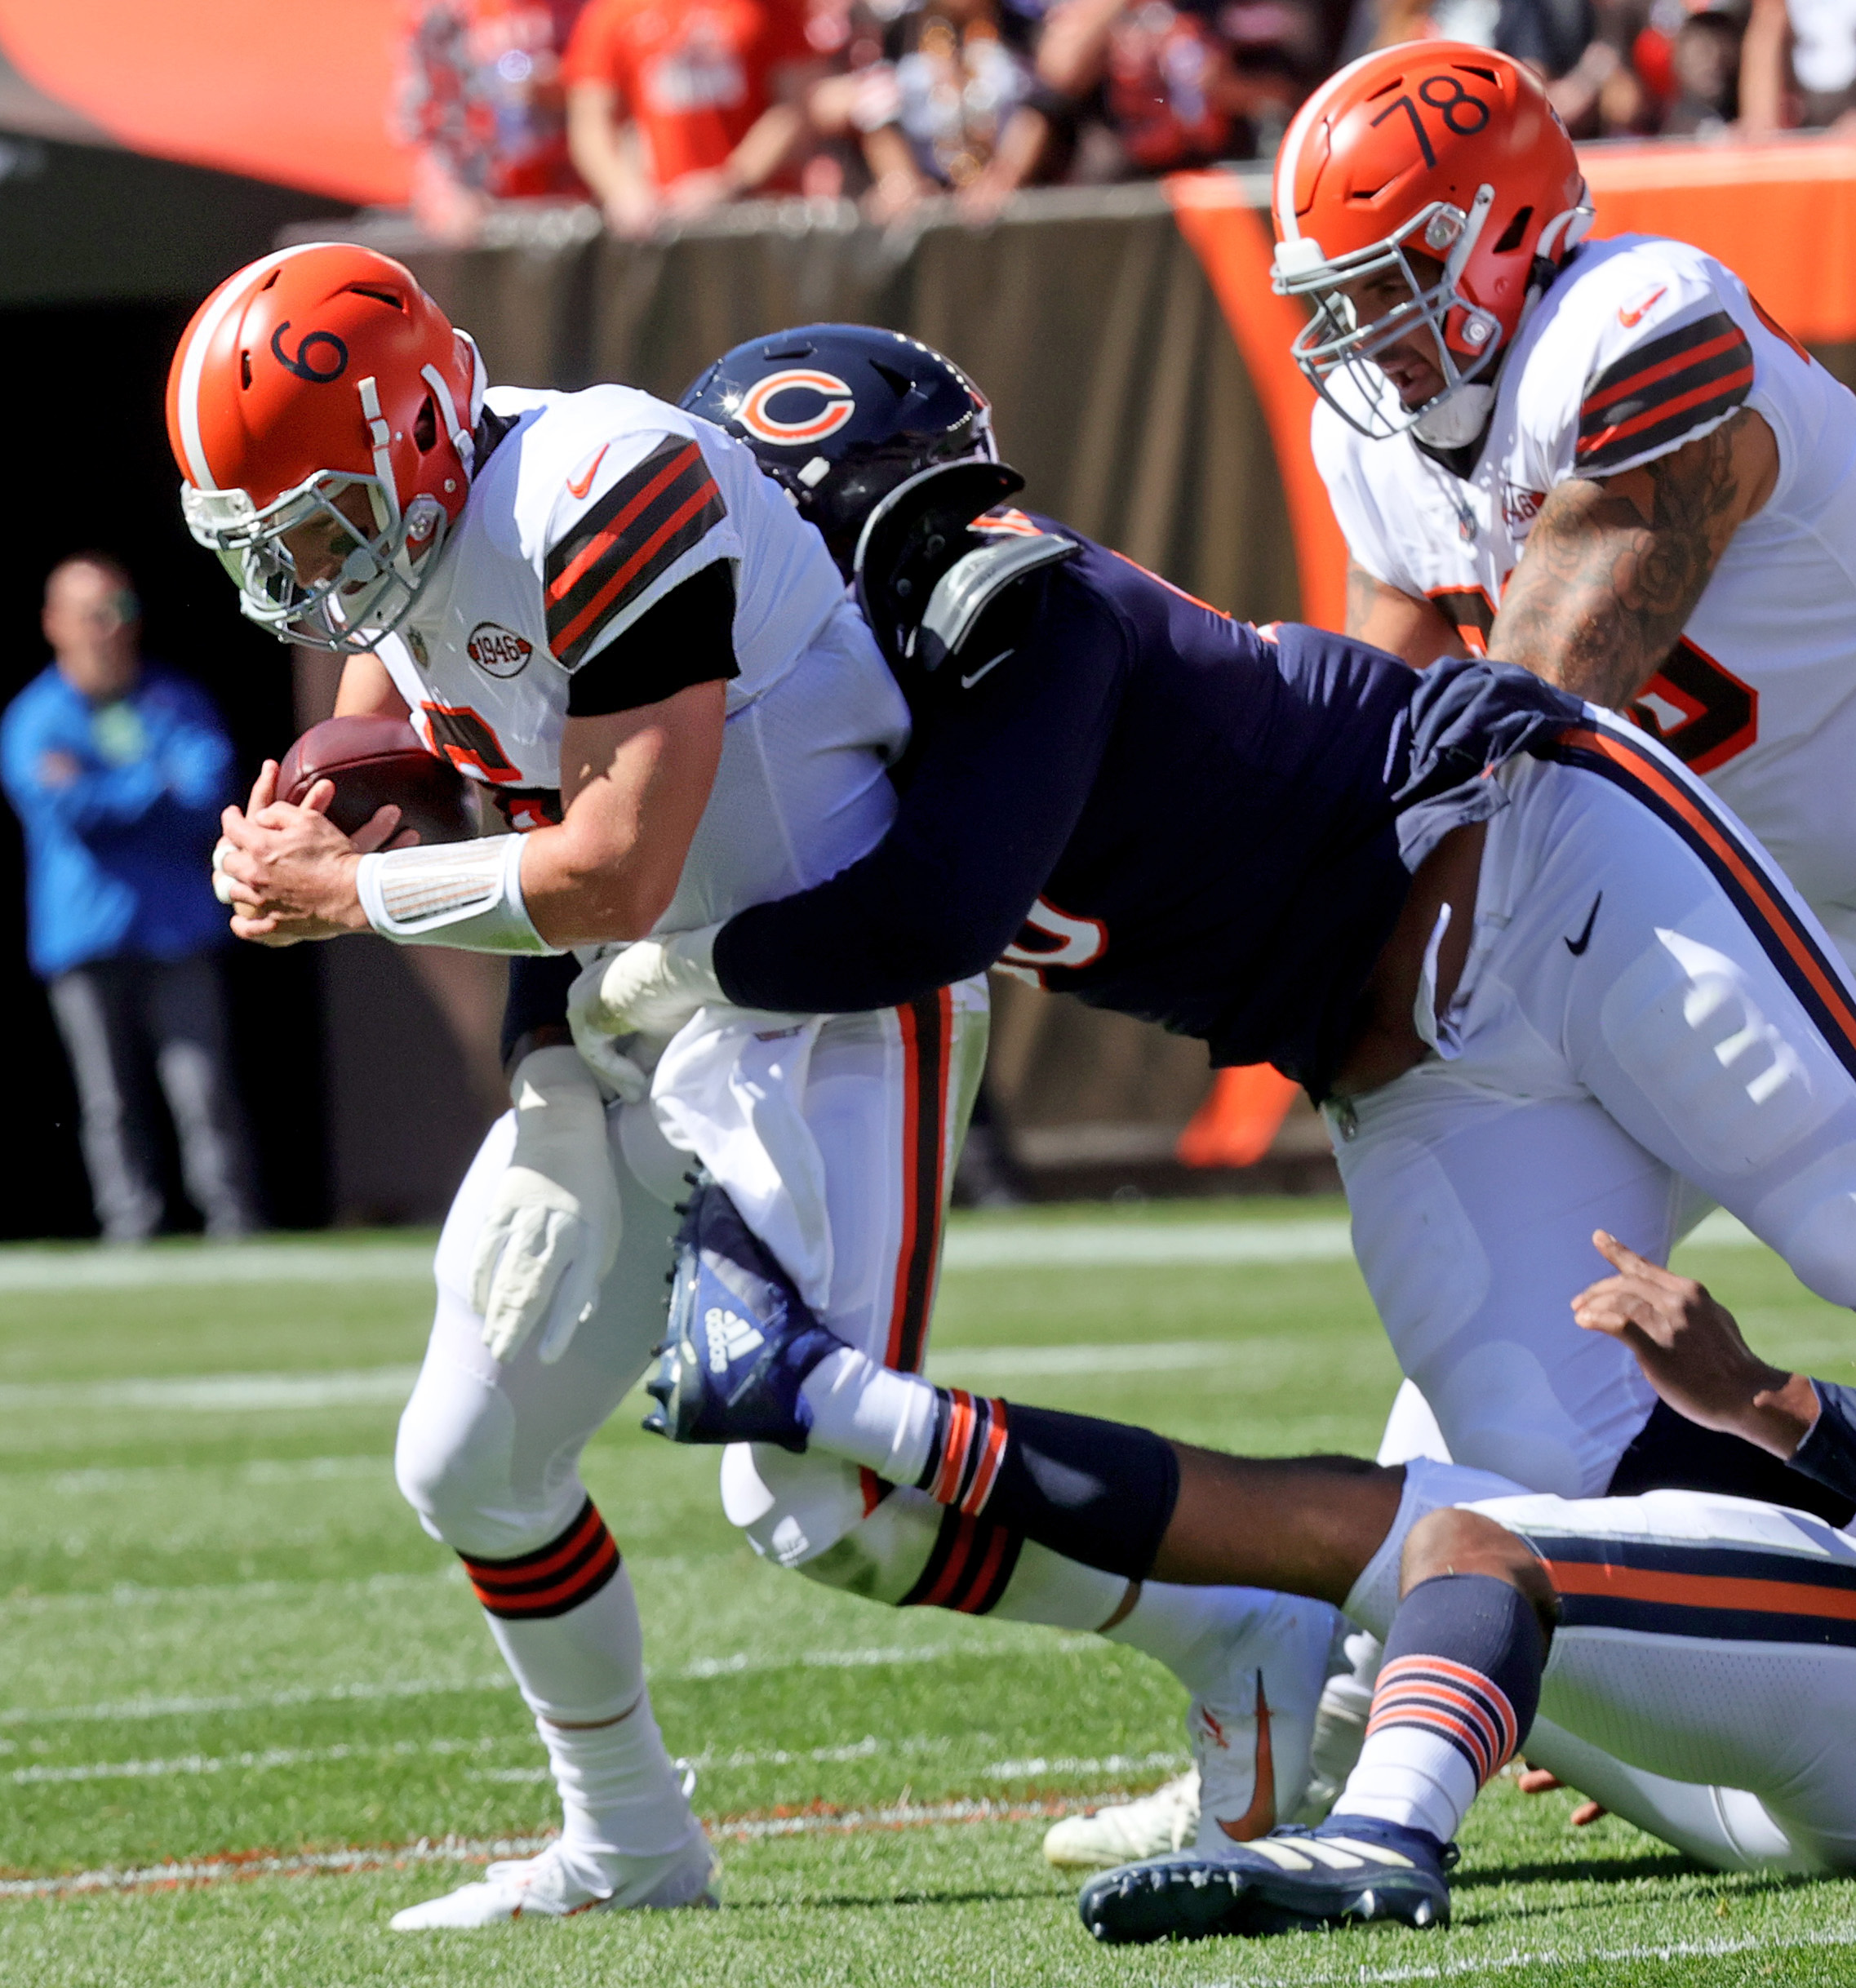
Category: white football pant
[1701,1681]
[1647,1005]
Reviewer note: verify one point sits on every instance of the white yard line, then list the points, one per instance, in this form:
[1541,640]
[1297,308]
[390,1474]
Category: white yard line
[53,1271]
[128,1711]
[263,1762]
[220,1394]
[698,1670]
[987,1244]
[217,1393]
[462,1850]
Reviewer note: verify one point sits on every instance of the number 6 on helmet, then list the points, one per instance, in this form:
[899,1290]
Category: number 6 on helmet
[322,383]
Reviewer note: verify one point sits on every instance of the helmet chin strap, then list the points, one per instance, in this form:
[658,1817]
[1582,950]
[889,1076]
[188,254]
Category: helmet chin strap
[1456,421]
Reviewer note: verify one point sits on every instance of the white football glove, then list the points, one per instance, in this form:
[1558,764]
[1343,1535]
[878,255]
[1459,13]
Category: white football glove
[554,1221]
[651,988]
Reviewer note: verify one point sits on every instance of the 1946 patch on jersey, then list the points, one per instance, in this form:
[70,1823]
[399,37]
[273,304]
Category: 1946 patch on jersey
[498,651]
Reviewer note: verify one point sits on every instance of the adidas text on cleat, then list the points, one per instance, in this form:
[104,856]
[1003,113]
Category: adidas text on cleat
[1125,1832]
[557,1885]
[1349,1870]
[740,1339]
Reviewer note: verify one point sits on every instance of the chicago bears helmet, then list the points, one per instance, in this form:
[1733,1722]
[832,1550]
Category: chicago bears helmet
[840,414]
[322,383]
[1436,149]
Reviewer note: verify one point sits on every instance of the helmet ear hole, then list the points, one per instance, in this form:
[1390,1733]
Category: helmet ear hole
[1515,233]
[425,427]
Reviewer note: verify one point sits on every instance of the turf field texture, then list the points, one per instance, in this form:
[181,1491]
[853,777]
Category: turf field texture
[247,1708]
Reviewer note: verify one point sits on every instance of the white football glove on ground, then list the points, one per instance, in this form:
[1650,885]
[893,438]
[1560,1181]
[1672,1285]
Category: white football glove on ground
[554,1221]
[651,988]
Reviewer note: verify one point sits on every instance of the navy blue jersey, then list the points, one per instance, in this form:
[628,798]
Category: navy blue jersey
[1144,802]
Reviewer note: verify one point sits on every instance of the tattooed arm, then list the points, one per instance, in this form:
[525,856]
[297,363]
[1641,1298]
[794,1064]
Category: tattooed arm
[1613,570]
[1393,619]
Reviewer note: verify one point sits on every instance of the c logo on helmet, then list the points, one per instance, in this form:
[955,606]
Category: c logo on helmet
[302,363]
[828,400]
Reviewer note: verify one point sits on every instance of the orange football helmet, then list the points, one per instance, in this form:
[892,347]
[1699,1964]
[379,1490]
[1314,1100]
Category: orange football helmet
[1442,149]
[312,373]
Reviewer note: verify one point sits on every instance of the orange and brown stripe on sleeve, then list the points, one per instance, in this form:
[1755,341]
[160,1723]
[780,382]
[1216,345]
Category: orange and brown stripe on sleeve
[1660,391]
[628,539]
[571,1569]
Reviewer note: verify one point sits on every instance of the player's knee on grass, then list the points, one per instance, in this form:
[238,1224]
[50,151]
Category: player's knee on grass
[1454,1541]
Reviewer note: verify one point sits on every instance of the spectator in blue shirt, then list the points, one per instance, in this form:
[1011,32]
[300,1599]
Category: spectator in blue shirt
[118,770]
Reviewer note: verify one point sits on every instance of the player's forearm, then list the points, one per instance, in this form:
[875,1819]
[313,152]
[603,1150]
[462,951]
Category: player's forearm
[1002,776]
[1398,622]
[892,927]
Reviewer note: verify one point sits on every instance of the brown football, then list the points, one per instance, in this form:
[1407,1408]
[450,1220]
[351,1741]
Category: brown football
[373,761]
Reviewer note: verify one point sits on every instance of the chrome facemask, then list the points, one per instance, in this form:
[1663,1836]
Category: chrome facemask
[352,609]
[1337,354]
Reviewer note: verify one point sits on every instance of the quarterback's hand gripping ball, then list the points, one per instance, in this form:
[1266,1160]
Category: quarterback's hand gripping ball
[554,1223]
[373,763]
[651,987]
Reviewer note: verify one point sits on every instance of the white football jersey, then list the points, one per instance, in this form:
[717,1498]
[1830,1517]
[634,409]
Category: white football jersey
[1641,345]
[583,518]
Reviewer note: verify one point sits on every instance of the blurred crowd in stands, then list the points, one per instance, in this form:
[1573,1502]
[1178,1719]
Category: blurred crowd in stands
[660,109]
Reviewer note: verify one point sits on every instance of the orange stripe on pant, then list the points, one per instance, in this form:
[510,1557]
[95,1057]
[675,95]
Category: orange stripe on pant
[1702,1591]
[927,1028]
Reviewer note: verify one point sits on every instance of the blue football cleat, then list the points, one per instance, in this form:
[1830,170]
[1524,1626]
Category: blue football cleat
[740,1338]
[1351,1869]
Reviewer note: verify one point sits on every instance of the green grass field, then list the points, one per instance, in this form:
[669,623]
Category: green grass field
[227,1646]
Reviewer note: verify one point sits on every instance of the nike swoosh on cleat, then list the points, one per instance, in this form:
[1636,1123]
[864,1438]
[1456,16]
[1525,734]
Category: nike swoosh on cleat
[966,683]
[1631,319]
[1575,947]
[578,486]
[1260,1818]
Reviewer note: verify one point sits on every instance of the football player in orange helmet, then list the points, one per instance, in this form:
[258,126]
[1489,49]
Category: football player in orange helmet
[600,610]
[317,400]
[1423,195]
[1598,459]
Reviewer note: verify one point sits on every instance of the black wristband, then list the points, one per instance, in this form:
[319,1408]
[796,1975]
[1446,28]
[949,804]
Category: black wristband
[1828,1451]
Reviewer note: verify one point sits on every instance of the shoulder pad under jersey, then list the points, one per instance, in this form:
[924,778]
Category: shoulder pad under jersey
[924,579]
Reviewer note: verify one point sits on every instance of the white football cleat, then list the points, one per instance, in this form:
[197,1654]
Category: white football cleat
[556,1883]
[1151,1826]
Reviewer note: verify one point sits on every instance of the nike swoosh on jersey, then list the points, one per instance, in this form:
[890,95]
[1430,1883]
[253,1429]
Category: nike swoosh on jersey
[966,683]
[1575,947]
[612,554]
[578,486]
[1631,319]
[1260,1818]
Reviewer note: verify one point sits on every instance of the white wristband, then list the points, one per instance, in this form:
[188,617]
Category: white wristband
[465,894]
